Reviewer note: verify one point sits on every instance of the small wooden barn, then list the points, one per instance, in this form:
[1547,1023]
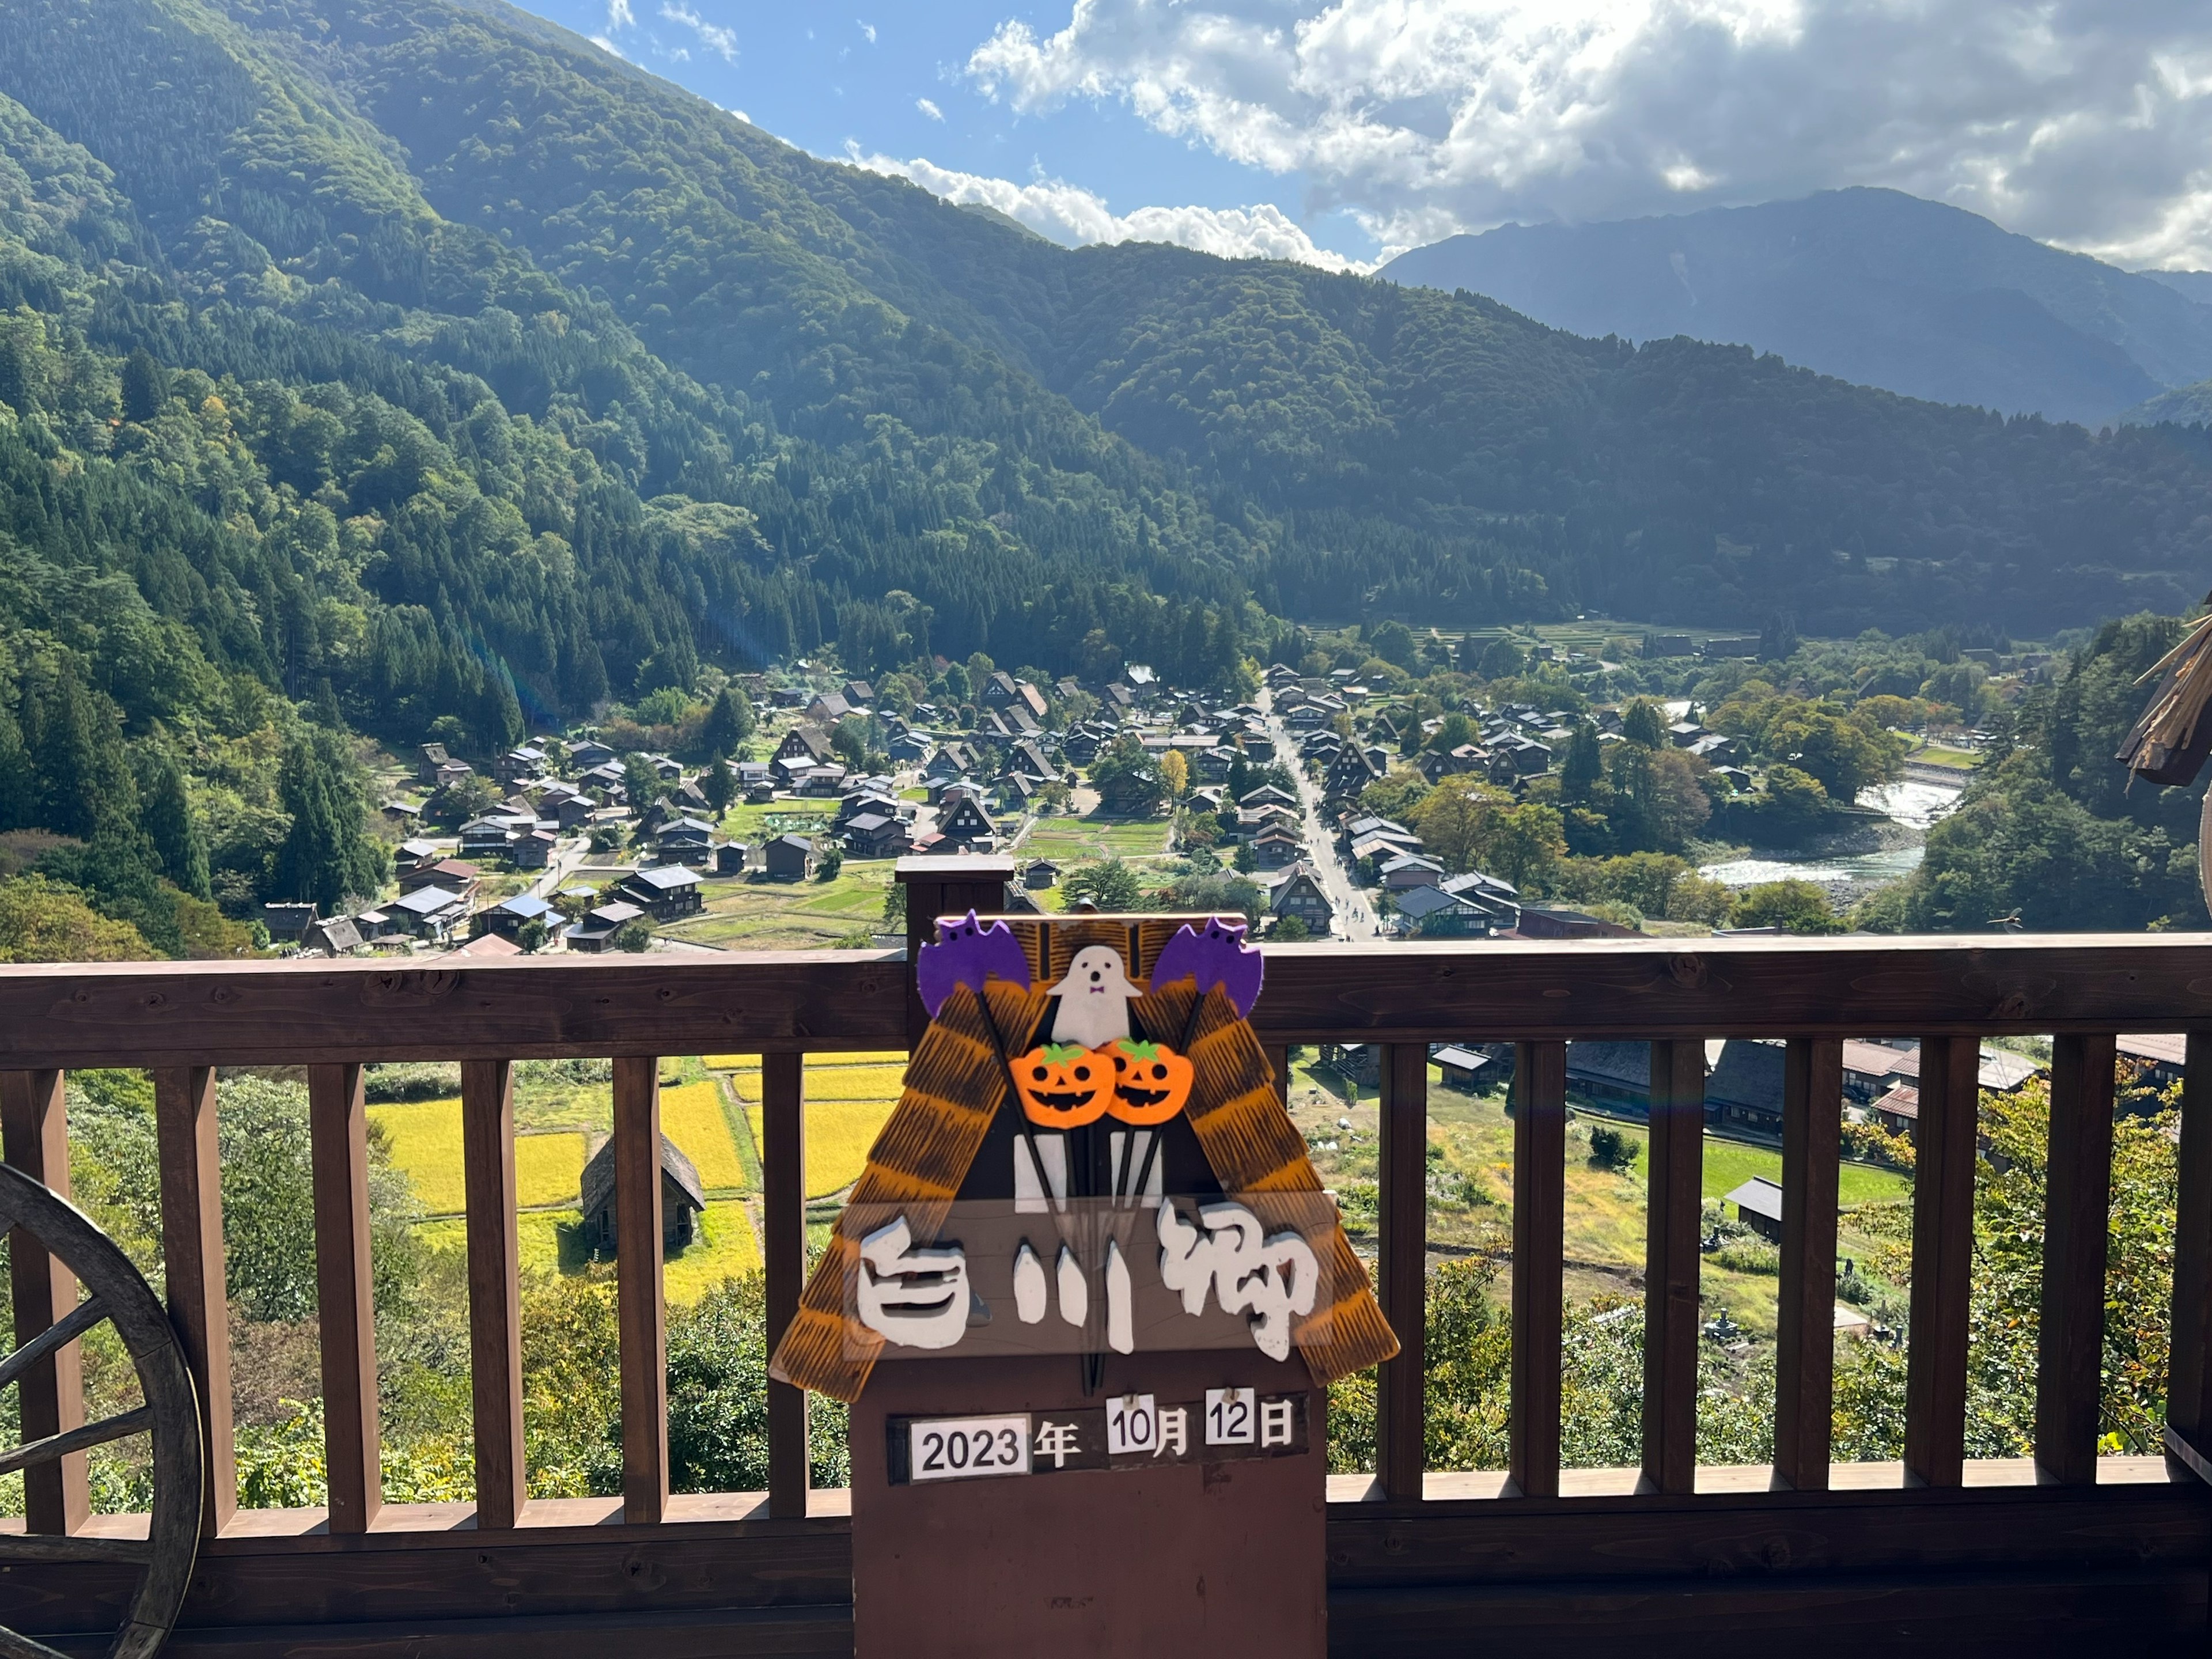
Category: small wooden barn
[682,1198]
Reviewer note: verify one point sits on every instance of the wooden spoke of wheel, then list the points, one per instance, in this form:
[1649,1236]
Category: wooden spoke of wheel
[120,1296]
[46,1546]
[78,1439]
[12,1646]
[63,1331]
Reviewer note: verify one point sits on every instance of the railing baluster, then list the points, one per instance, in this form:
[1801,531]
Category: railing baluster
[2188,1378]
[783,1205]
[937,885]
[1278,1062]
[192,1254]
[495,1290]
[1401,1435]
[345,1295]
[1805,1343]
[638,1220]
[57,1496]
[1671,1264]
[1540,1152]
[1942,1252]
[2076,1200]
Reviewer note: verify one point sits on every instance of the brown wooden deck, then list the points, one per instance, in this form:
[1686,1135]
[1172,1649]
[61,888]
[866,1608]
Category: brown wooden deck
[2067,1553]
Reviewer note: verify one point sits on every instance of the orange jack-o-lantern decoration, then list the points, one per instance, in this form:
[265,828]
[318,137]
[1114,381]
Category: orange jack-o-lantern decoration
[1063,1086]
[1150,1081]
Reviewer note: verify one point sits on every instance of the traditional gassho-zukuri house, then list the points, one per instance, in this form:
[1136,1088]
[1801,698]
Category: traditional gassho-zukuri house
[1093,1268]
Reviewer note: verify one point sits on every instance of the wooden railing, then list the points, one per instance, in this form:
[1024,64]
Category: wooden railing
[2074,1547]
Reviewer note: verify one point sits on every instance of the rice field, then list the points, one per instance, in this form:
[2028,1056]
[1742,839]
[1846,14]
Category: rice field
[726,1247]
[551,1242]
[849,1096]
[425,1138]
[691,1115]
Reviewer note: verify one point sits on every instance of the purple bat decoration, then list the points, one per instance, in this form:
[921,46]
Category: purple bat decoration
[966,953]
[1218,956]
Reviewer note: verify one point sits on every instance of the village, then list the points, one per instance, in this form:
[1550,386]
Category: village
[1113,794]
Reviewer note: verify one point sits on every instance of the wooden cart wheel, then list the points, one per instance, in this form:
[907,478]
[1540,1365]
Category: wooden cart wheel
[118,1294]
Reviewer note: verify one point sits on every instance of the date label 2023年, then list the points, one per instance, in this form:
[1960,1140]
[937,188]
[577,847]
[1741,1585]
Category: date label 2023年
[1130,1431]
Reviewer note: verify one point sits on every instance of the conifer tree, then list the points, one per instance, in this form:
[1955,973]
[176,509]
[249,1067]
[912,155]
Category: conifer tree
[729,722]
[144,386]
[166,814]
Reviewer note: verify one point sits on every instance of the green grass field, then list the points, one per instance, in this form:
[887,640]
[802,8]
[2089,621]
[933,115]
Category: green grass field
[1074,841]
[743,913]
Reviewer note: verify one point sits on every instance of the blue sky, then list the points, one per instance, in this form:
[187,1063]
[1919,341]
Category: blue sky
[1339,130]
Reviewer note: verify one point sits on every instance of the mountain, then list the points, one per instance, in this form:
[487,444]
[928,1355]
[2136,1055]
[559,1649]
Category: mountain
[416,360]
[1871,286]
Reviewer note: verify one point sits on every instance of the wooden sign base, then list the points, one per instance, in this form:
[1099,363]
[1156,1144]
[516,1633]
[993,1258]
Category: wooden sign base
[1184,1559]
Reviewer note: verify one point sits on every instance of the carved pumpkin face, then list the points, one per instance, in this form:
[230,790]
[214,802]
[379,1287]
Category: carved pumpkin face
[1150,1081]
[1063,1086]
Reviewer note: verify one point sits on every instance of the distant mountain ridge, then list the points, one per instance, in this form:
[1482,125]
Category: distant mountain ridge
[1872,286]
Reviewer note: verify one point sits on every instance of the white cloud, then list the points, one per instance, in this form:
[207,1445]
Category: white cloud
[619,16]
[712,36]
[868,29]
[929,109]
[606,45]
[2080,121]
[1071,215]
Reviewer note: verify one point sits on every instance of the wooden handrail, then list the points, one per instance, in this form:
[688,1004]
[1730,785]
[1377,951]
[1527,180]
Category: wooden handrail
[181,1019]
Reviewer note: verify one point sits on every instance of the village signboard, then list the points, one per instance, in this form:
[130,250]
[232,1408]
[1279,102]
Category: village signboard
[1084,1302]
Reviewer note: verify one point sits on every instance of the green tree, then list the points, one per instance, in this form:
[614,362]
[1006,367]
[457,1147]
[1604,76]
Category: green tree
[1501,659]
[1798,906]
[1289,930]
[1644,723]
[47,921]
[165,813]
[1393,642]
[1584,763]
[327,854]
[145,388]
[1110,883]
[719,785]
[641,782]
[730,723]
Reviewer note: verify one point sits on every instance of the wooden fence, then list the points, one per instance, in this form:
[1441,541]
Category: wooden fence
[2069,1549]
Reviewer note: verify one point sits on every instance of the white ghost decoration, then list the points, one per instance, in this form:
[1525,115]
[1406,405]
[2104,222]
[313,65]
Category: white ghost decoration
[1094,997]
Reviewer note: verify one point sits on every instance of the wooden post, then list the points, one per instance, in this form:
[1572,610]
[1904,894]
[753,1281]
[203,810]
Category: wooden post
[1942,1254]
[2189,1381]
[191,1248]
[1670,1266]
[2077,1190]
[494,1291]
[783,1205]
[944,886]
[1540,1179]
[1401,1433]
[345,1296]
[1278,1062]
[57,1497]
[1805,1357]
[638,1246]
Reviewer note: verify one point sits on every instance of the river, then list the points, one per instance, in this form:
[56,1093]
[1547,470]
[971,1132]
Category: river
[1913,803]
